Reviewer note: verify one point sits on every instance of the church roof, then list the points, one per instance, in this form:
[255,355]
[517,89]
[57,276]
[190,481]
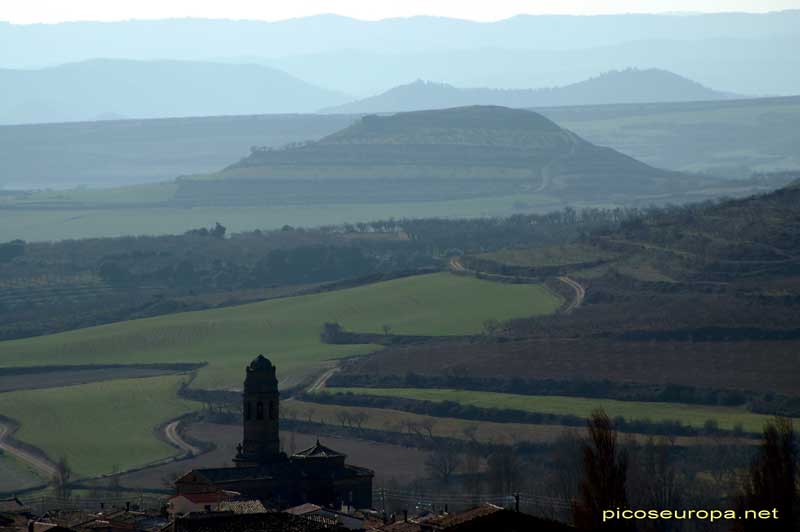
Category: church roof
[227,474]
[284,471]
[261,363]
[448,520]
[11,505]
[318,451]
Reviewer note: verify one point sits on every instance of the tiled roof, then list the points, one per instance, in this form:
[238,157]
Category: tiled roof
[203,498]
[318,451]
[445,521]
[401,526]
[271,521]
[303,509]
[232,474]
[12,504]
[282,470]
[242,507]
[359,471]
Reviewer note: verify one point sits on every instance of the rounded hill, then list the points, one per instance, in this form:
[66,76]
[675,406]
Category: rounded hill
[484,150]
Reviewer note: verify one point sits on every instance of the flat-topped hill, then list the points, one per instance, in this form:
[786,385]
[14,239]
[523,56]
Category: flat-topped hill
[484,144]
[479,125]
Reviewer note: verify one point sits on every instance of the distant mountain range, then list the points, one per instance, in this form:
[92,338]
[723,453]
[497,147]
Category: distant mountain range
[465,152]
[758,67]
[114,88]
[746,53]
[33,45]
[626,86]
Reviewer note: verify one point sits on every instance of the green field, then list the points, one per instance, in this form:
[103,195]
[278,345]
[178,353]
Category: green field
[16,475]
[101,425]
[693,415]
[287,329]
[59,223]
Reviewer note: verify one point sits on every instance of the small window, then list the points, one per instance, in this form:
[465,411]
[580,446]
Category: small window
[272,410]
[248,411]
[260,410]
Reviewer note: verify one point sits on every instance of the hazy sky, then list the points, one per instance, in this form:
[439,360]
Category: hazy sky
[30,11]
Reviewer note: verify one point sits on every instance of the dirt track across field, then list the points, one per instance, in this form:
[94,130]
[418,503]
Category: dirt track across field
[580,293]
[319,384]
[173,436]
[42,465]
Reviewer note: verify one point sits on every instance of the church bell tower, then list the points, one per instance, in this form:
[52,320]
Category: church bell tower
[261,444]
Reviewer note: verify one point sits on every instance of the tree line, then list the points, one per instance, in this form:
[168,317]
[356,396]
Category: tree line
[452,409]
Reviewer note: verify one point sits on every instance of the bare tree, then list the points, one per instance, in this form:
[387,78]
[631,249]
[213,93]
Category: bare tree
[471,432]
[504,469]
[472,473]
[343,417]
[443,462]
[359,418]
[491,327]
[427,425]
[605,469]
[61,478]
[654,481]
[567,465]
[113,479]
[773,481]
[411,426]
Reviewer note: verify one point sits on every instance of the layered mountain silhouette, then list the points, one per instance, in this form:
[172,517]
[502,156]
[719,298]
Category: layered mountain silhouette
[475,151]
[619,86]
[106,88]
[747,53]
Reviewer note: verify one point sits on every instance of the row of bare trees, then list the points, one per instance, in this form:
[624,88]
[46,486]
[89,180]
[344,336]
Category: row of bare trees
[607,482]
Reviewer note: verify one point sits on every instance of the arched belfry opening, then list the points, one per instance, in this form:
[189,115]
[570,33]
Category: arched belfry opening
[261,443]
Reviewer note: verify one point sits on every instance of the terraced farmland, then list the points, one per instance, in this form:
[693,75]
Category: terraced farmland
[288,329]
[79,421]
[692,415]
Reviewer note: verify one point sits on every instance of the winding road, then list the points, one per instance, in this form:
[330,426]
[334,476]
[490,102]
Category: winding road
[173,436]
[42,465]
[456,266]
[580,293]
[319,384]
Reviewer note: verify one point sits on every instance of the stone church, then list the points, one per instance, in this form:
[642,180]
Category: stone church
[317,475]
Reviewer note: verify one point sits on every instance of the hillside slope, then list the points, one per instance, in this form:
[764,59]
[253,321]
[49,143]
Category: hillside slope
[729,138]
[113,89]
[128,152]
[748,243]
[753,242]
[478,145]
[619,86]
